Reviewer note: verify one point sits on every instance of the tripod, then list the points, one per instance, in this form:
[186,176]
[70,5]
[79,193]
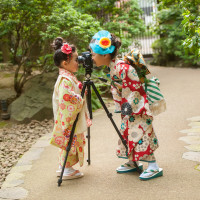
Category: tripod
[87,84]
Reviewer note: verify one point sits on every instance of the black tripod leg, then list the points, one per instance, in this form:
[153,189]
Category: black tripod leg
[89,104]
[109,114]
[88,137]
[111,119]
[70,142]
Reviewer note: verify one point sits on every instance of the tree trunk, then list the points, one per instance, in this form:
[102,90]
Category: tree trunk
[5,49]
[47,49]
[35,51]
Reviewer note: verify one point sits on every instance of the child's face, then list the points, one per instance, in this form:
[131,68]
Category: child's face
[72,65]
[100,60]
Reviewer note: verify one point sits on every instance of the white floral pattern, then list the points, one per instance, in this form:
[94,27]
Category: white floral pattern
[132,74]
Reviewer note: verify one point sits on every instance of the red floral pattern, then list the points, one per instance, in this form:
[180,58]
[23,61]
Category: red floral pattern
[60,140]
[67,97]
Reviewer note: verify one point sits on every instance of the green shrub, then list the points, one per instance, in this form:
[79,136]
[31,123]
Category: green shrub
[170,46]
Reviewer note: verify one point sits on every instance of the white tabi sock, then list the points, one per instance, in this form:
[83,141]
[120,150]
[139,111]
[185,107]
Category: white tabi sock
[152,166]
[148,172]
[67,170]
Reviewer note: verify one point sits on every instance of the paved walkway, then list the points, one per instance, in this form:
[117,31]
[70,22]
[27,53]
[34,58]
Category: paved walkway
[36,179]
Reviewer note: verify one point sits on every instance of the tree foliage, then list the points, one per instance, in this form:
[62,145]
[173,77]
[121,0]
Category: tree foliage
[191,25]
[21,23]
[31,26]
[75,27]
[122,19]
[169,46]
[178,26]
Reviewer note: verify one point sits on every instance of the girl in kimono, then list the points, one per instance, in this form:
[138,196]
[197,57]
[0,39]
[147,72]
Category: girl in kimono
[67,103]
[131,100]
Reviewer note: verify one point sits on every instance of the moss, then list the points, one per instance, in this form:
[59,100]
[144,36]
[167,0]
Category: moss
[197,167]
[3,124]
[7,75]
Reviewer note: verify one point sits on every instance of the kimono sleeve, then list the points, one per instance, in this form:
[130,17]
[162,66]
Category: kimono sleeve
[125,72]
[70,104]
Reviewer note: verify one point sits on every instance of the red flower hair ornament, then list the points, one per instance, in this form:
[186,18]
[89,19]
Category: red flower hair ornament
[66,49]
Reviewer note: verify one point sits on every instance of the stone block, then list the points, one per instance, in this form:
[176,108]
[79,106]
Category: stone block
[13,193]
[194,119]
[18,169]
[194,156]
[193,130]
[193,147]
[191,139]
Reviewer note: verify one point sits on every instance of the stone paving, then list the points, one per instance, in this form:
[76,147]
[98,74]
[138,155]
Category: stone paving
[193,141]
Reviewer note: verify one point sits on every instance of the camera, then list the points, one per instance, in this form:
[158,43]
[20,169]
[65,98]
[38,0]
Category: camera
[86,60]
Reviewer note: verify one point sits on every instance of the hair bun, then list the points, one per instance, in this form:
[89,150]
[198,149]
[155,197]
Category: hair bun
[57,43]
[118,43]
[115,41]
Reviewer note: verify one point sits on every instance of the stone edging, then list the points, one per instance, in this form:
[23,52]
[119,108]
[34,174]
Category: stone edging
[193,139]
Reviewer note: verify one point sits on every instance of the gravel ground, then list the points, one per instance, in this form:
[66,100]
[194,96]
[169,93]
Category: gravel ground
[16,140]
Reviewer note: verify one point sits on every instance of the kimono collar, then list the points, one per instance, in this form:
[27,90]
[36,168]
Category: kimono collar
[114,62]
[67,73]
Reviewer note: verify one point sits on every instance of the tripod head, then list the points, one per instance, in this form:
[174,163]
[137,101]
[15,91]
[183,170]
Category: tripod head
[86,60]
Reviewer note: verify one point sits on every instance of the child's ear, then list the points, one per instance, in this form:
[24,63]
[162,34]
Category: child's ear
[63,64]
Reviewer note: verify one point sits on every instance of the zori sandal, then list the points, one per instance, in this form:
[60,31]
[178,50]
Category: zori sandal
[69,173]
[76,174]
[58,172]
[150,174]
[128,168]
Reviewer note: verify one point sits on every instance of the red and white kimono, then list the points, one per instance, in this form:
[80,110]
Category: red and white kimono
[136,124]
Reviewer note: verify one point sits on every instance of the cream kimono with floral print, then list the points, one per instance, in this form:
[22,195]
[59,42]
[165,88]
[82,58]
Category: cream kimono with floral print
[67,103]
[136,123]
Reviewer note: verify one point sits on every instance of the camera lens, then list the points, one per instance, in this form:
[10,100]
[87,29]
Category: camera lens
[81,59]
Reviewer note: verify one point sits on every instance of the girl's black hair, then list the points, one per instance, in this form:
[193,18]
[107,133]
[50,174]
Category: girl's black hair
[59,56]
[115,41]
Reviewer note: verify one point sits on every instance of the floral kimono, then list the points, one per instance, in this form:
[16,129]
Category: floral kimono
[136,117]
[67,103]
